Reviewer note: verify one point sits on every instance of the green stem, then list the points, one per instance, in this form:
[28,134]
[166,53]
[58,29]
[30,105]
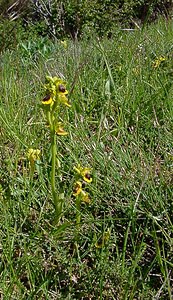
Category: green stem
[53,153]
[78,220]
[57,202]
[49,119]
[78,213]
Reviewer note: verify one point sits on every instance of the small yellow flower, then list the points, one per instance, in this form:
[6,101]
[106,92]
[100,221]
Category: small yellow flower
[158,61]
[64,44]
[60,130]
[33,155]
[84,172]
[61,93]
[47,100]
[77,188]
[78,191]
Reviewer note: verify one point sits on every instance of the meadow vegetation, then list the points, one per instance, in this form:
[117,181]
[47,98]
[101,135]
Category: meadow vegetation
[120,127]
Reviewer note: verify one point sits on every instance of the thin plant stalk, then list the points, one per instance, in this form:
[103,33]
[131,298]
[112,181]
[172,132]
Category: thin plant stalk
[56,201]
[53,154]
[78,213]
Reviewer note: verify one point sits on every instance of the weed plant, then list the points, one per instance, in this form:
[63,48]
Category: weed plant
[120,125]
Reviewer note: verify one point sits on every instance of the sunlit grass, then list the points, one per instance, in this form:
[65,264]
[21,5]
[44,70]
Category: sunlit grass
[120,125]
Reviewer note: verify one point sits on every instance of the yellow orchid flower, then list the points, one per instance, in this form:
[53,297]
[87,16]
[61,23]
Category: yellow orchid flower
[158,61]
[79,192]
[84,172]
[33,155]
[77,188]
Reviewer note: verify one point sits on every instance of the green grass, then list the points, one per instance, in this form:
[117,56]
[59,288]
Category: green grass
[120,125]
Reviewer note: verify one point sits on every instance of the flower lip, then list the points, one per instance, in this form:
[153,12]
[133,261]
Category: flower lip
[88,176]
[47,99]
[62,88]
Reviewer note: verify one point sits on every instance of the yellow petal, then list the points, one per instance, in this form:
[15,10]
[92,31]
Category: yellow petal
[60,131]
